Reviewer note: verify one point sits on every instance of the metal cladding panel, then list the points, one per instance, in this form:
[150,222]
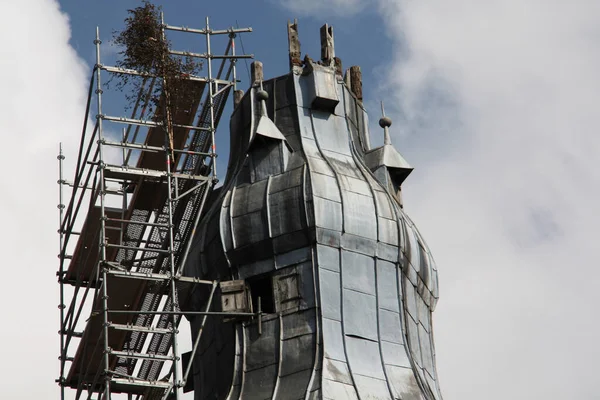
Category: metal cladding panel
[404,384]
[409,300]
[326,187]
[336,371]
[359,244]
[328,214]
[358,272]
[333,340]
[360,314]
[395,354]
[256,268]
[359,215]
[287,180]
[426,352]
[390,327]
[293,386]
[260,382]
[266,158]
[352,184]
[306,129]
[423,313]
[328,257]
[262,349]
[364,357]
[299,324]
[387,286]
[371,388]
[336,390]
[331,132]
[414,250]
[292,257]
[329,284]
[285,214]
[328,237]
[387,252]
[249,228]
[289,241]
[413,340]
[343,164]
[250,198]
[388,231]
[318,165]
[297,354]
[287,121]
[384,208]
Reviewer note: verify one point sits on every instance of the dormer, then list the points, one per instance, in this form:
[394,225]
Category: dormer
[387,164]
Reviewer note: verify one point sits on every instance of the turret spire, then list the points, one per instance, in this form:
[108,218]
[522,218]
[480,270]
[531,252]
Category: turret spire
[385,123]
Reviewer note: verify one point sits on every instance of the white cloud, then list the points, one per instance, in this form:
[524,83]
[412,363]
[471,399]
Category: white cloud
[498,104]
[42,103]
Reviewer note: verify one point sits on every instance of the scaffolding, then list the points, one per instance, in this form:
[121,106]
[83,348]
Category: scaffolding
[126,230]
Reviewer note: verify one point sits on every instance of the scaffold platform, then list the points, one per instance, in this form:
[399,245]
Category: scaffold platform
[126,229]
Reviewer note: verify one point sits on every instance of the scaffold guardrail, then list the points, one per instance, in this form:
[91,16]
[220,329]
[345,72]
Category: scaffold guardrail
[125,232]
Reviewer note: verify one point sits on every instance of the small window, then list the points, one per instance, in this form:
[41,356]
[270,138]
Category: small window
[262,287]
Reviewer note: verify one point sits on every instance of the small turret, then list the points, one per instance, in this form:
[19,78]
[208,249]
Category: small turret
[386,163]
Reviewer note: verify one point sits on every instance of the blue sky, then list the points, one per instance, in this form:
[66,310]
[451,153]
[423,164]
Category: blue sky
[494,103]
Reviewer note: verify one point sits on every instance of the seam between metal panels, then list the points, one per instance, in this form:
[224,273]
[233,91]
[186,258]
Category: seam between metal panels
[268,207]
[418,371]
[335,174]
[231,209]
[279,361]
[229,227]
[243,373]
[305,182]
[318,360]
[231,395]
[387,381]
[342,325]
[400,281]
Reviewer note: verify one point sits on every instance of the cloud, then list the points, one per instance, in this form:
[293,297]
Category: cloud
[42,103]
[497,103]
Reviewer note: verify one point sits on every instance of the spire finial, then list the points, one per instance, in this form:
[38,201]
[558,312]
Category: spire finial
[262,96]
[385,123]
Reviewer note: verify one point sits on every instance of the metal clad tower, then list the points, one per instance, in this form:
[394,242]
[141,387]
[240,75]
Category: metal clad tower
[309,231]
[302,276]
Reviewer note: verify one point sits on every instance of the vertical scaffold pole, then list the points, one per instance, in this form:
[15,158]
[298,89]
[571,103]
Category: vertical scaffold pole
[102,262]
[61,268]
[234,61]
[173,291]
[211,104]
[124,189]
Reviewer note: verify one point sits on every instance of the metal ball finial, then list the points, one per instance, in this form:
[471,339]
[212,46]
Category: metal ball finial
[262,95]
[385,122]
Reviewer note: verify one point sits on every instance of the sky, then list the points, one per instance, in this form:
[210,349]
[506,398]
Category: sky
[495,105]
